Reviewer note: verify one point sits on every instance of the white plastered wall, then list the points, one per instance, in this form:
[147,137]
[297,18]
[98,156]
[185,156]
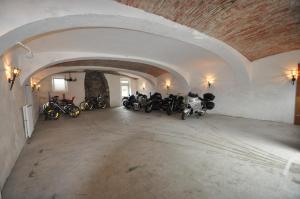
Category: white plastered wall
[269,96]
[12,135]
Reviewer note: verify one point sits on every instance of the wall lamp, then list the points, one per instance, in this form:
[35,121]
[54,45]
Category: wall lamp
[35,86]
[293,77]
[168,85]
[210,81]
[144,87]
[208,84]
[15,73]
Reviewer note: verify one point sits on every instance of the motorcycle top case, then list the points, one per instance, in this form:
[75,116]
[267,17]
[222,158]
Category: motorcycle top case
[156,96]
[208,96]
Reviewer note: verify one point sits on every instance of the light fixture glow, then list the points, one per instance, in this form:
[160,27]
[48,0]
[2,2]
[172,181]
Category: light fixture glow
[35,86]
[293,76]
[15,73]
[168,84]
[210,81]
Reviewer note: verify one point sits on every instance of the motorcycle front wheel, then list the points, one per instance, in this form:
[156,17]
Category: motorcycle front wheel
[84,106]
[169,110]
[102,105]
[184,115]
[124,103]
[74,111]
[53,114]
[148,108]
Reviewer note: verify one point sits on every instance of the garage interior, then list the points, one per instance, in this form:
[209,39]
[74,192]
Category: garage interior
[245,53]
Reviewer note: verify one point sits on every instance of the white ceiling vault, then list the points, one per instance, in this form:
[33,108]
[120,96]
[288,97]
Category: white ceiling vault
[106,30]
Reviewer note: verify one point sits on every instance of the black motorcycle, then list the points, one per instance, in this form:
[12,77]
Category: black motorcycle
[91,103]
[155,102]
[138,102]
[54,108]
[141,102]
[173,103]
[128,102]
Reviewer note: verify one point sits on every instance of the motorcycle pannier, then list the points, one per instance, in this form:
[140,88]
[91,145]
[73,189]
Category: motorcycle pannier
[210,105]
[208,96]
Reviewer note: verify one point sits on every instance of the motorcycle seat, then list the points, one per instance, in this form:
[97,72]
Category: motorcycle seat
[193,95]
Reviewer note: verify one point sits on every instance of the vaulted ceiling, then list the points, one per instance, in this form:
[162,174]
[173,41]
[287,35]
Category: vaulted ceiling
[141,67]
[256,28]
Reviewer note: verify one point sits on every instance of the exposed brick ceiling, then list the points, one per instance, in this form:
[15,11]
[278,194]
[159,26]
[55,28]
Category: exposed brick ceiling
[256,28]
[145,68]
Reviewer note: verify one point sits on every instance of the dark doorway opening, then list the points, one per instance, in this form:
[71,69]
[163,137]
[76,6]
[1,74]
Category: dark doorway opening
[96,84]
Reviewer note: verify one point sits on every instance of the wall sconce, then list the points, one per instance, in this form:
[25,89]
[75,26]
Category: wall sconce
[208,84]
[15,73]
[144,86]
[35,86]
[293,77]
[210,81]
[168,84]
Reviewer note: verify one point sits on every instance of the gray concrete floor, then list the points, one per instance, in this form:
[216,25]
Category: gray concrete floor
[122,154]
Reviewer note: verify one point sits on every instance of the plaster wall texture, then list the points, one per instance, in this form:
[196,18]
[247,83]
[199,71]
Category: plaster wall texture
[176,86]
[114,89]
[12,135]
[144,86]
[269,96]
[32,98]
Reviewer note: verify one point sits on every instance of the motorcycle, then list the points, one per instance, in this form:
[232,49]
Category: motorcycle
[91,103]
[173,103]
[53,109]
[197,105]
[128,102]
[136,103]
[141,102]
[154,103]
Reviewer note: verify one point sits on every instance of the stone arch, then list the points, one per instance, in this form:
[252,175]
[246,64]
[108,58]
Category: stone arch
[36,28]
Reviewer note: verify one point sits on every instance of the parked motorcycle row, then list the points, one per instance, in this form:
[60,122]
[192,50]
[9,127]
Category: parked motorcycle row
[187,106]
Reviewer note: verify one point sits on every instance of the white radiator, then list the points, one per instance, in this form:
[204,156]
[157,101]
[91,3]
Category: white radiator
[28,120]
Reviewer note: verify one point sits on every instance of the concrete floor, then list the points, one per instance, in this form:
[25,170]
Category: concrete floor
[121,154]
